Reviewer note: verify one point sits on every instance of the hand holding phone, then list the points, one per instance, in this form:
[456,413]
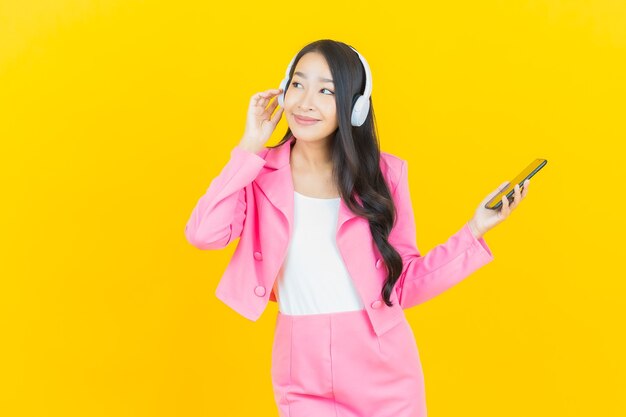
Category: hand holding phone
[527,173]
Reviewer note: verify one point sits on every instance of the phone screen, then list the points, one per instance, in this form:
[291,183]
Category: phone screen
[527,173]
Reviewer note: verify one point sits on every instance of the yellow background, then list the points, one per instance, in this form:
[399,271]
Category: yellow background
[116,115]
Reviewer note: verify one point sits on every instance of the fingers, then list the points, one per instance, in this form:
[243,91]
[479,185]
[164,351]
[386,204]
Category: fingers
[272,106]
[519,194]
[276,117]
[495,192]
[261,98]
[517,198]
[504,210]
[268,112]
[525,189]
[267,93]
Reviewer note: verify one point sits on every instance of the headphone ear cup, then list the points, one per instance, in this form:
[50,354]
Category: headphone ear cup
[360,111]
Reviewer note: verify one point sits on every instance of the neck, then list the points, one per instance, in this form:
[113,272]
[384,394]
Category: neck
[311,155]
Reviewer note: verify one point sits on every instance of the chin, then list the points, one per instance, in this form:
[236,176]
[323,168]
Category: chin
[307,136]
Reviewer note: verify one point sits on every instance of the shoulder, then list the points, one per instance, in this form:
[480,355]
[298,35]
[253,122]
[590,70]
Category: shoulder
[391,167]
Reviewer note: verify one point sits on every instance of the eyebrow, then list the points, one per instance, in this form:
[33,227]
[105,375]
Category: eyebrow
[326,80]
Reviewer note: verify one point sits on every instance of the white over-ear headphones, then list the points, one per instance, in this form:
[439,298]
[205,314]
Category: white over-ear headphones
[361,106]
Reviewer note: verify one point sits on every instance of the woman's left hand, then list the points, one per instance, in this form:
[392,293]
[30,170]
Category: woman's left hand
[485,219]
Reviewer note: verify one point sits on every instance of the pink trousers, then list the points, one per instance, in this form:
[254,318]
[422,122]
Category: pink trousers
[334,365]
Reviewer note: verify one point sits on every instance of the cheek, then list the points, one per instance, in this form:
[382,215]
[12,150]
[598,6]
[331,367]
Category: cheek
[330,111]
[287,99]
[333,117]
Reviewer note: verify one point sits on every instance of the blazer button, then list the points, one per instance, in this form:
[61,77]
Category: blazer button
[259,290]
[377,304]
[379,262]
[258,256]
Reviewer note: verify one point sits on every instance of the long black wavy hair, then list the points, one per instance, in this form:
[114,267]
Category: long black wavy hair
[355,153]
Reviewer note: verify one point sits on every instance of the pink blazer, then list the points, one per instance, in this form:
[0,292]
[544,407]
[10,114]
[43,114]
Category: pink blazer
[252,199]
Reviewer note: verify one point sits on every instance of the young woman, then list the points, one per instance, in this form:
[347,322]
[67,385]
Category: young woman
[325,221]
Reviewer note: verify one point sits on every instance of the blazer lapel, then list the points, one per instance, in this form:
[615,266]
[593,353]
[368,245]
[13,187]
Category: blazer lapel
[276,183]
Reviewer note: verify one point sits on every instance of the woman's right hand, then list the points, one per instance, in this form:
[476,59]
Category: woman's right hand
[260,123]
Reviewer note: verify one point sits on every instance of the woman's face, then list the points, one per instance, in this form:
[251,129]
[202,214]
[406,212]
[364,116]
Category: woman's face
[311,94]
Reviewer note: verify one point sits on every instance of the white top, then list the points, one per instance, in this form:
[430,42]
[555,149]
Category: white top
[313,278]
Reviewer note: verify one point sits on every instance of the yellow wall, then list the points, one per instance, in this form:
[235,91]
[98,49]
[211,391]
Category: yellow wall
[115,116]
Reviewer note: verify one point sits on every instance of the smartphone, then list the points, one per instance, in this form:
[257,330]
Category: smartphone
[527,173]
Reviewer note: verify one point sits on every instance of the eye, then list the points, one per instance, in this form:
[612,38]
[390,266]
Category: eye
[331,92]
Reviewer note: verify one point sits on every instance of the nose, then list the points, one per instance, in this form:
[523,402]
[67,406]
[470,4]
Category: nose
[306,99]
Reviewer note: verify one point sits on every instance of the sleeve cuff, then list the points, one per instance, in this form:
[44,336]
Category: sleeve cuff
[240,153]
[479,243]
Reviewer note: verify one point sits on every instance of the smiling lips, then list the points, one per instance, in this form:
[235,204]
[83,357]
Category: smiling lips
[303,120]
